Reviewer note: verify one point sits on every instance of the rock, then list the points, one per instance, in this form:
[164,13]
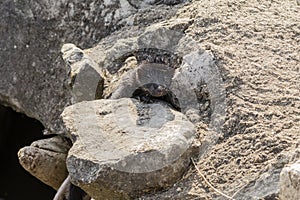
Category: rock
[146,3]
[165,38]
[32,73]
[192,73]
[55,144]
[123,148]
[265,187]
[33,76]
[290,182]
[46,160]
[86,80]
[269,184]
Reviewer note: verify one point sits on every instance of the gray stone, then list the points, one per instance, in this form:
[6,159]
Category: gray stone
[271,183]
[166,36]
[290,182]
[33,78]
[46,160]
[190,80]
[265,187]
[123,148]
[146,3]
[85,75]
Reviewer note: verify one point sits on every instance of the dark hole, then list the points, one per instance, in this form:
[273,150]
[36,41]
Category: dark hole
[17,131]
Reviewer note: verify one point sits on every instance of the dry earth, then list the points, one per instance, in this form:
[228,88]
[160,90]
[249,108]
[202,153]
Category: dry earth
[257,47]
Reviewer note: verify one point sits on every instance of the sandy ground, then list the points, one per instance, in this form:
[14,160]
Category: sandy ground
[257,47]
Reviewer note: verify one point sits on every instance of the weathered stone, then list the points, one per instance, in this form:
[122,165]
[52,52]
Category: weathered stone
[262,101]
[146,3]
[32,74]
[46,160]
[290,182]
[268,185]
[265,187]
[56,144]
[164,37]
[123,148]
[191,74]
[86,80]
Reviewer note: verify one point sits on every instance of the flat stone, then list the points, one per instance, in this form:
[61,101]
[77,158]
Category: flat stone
[123,148]
[290,182]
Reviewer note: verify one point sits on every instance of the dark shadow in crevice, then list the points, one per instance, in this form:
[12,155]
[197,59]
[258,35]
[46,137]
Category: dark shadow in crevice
[16,131]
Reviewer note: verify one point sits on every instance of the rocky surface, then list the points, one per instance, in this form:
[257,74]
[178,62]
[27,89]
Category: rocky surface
[33,78]
[290,182]
[164,56]
[124,148]
[256,49]
[85,77]
[46,160]
[256,46]
[265,187]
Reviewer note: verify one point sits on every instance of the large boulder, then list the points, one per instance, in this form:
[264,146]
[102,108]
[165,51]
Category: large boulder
[33,78]
[123,148]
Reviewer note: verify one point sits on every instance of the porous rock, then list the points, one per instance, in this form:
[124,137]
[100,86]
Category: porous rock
[123,148]
[290,182]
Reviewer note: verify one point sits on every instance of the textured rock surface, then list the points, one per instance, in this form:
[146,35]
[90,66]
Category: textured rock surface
[290,182]
[85,75]
[190,72]
[265,187]
[32,74]
[256,45]
[124,147]
[46,160]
